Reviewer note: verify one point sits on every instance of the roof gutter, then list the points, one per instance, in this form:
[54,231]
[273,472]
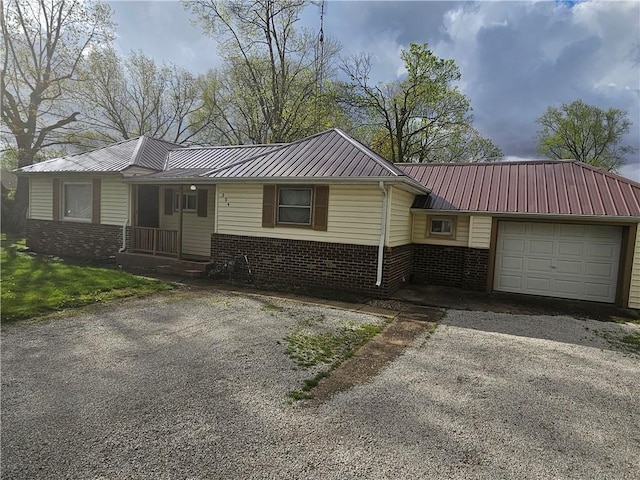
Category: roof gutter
[383,233]
[407,181]
[542,216]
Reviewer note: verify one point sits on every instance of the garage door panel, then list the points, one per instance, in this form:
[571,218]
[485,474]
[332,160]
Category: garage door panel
[570,248]
[598,291]
[511,263]
[538,265]
[571,267]
[515,228]
[538,284]
[513,245]
[567,261]
[567,287]
[599,269]
[537,247]
[570,230]
[602,250]
[542,229]
[510,283]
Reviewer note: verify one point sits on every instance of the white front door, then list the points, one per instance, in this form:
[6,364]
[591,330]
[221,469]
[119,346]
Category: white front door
[558,260]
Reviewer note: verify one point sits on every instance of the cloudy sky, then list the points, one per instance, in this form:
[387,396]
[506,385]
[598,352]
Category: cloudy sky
[516,58]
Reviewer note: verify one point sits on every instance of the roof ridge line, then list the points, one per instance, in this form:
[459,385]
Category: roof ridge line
[367,151]
[606,173]
[136,152]
[243,161]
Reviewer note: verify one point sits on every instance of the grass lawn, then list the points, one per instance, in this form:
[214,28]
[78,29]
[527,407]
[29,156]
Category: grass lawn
[35,285]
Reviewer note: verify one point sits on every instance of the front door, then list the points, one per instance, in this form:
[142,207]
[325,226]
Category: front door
[148,206]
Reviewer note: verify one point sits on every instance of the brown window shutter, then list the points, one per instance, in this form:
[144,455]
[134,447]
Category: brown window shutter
[168,201]
[56,199]
[202,202]
[95,214]
[269,206]
[320,207]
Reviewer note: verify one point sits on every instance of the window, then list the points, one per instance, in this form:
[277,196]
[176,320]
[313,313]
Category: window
[442,227]
[294,206]
[189,202]
[77,201]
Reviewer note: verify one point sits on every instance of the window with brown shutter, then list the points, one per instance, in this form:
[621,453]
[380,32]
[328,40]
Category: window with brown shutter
[321,207]
[95,214]
[202,202]
[56,199]
[269,206]
[168,201]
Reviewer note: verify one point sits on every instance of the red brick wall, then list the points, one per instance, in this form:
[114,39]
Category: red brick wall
[73,239]
[450,266]
[304,265]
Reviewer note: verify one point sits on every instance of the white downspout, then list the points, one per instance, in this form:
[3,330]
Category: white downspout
[124,236]
[383,232]
[124,225]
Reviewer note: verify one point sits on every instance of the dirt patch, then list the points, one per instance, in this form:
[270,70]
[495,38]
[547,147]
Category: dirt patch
[382,349]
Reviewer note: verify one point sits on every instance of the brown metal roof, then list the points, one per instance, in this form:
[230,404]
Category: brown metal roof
[330,154]
[210,158]
[536,187]
[142,151]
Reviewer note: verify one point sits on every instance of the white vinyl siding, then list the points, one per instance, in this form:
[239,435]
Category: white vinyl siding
[354,215]
[41,198]
[399,230]
[479,232]
[634,290]
[114,202]
[420,233]
[196,231]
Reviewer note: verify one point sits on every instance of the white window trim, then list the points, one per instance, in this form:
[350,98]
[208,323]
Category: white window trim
[176,202]
[431,233]
[307,207]
[63,199]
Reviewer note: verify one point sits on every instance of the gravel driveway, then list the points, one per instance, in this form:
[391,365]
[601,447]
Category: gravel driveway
[194,385]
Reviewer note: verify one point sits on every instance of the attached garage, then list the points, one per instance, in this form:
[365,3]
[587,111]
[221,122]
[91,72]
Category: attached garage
[558,260]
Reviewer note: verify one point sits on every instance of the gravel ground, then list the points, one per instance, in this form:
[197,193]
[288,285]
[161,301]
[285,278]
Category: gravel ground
[194,385]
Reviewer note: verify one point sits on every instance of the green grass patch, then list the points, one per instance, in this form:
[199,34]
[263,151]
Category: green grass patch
[628,343]
[632,342]
[37,285]
[310,349]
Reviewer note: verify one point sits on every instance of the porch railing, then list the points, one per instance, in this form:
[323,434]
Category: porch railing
[154,241]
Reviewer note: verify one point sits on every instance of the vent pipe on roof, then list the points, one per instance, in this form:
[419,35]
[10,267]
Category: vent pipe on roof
[383,232]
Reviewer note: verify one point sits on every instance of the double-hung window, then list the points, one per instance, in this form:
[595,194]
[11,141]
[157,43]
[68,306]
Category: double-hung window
[77,202]
[294,205]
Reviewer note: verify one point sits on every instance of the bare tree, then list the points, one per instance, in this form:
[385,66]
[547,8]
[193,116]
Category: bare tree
[43,44]
[123,98]
[268,88]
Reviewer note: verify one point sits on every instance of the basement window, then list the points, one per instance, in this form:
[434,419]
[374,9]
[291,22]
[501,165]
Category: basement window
[294,206]
[441,227]
[76,204]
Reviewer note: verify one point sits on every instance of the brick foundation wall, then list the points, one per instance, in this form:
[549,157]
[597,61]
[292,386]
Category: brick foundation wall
[397,267]
[460,267]
[73,239]
[304,265]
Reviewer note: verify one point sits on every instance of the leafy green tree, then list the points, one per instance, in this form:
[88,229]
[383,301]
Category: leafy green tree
[273,84]
[420,118]
[586,133]
[43,44]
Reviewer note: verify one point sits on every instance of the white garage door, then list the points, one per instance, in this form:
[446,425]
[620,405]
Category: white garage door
[555,260]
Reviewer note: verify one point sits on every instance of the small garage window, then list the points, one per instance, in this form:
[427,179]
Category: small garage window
[441,227]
